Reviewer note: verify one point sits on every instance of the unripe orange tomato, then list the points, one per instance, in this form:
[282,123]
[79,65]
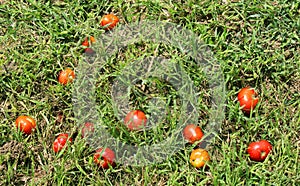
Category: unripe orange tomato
[26,124]
[86,41]
[199,157]
[66,76]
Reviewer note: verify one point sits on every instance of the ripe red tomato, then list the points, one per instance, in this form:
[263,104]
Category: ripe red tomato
[248,99]
[87,129]
[135,120]
[26,124]
[86,42]
[60,142]
[66,76]
[109,21]
[192,133]
[104,158]
[199,157]
[259,150]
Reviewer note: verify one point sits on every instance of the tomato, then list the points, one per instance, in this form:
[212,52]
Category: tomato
[86,41]
[259,150]
[248,99]
[66,76]
[199,157]
[26,124]
[87,129]
[60,142]
[192,133]
[104,158]
[109,21]
[135,120]
[89,51]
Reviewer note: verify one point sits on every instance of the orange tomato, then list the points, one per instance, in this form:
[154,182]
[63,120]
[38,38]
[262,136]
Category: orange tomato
[92,39]
[109,21]
[66,76]
[199,157]
[26,124]
[86,41]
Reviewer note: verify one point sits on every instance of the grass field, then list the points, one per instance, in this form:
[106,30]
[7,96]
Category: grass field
[256,43]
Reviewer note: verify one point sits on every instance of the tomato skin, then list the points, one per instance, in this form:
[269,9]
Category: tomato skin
[26,124]
[192,133]
[109,21]
[60,142]
[66,76]
[135,120]
[87,129]
[199,157]
[259,150]
[104,157]
[248,99]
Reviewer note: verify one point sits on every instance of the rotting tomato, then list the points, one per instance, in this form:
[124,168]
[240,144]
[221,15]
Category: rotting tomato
[135,120]
[192,133]
[199,157]
[109,21]
[60,142]
[259,150]
[66,76]
[87,129]
[248,99]
[26,124]
[104,158]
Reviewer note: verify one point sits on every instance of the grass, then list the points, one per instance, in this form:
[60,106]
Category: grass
[255,42]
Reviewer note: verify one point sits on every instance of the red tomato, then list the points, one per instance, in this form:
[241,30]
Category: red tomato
[104,158]
[109,21]
[87,129]
[259,150]
[60,142]
[66,76]
[248,99]
[199,157]
[135,120]
[192,133]
[89,51]
[85,42]
[26,124]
